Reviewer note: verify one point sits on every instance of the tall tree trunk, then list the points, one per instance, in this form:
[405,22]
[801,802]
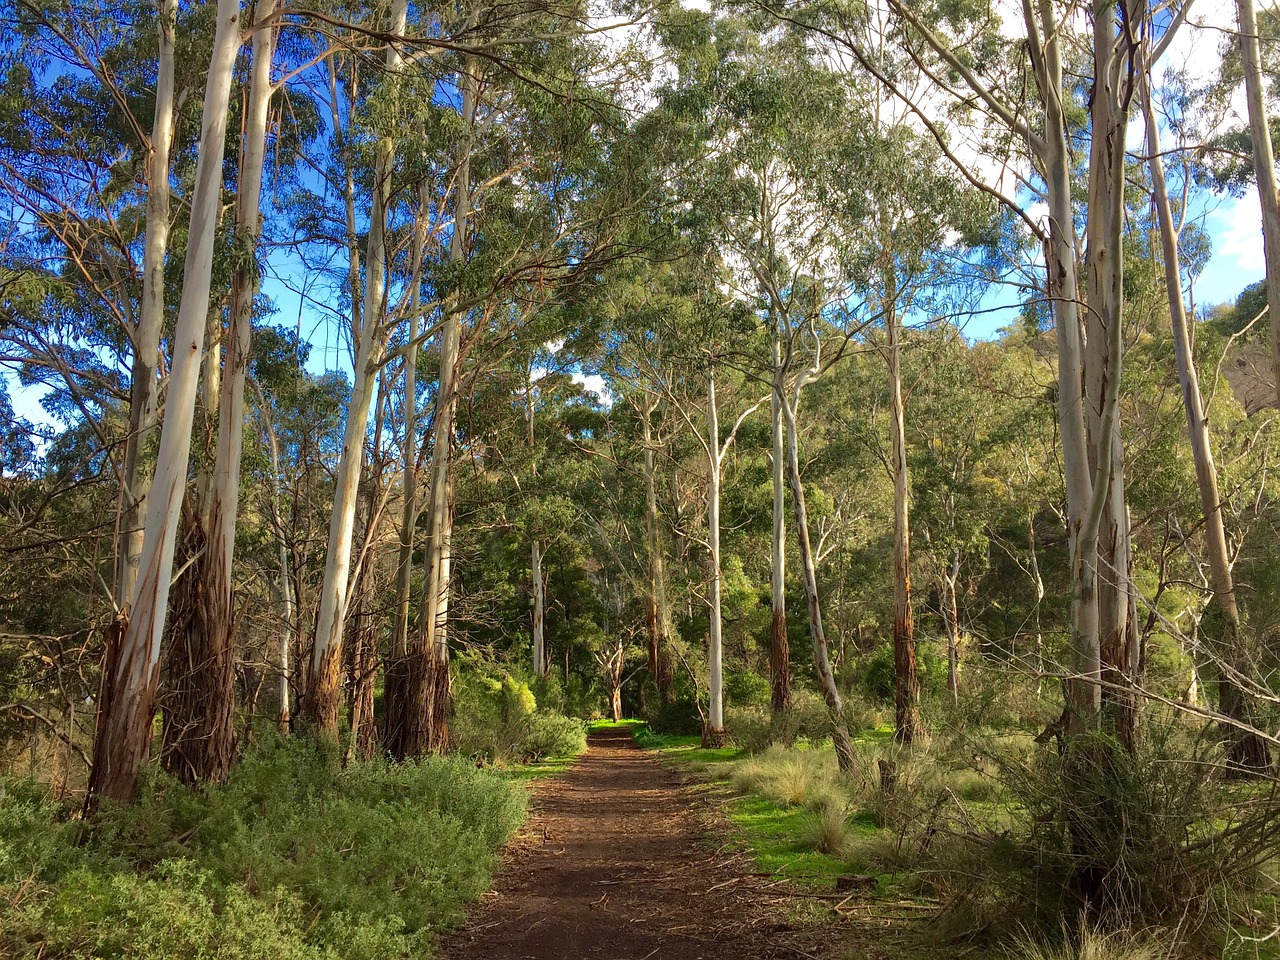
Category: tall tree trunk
[908,726]
[325,688]
[126,703]
[951,614]
[199,718]
[1248,751]
[398,662]
[779,643]
[809,574]
[1103,356]
[1264,167]
[427,700]
[143,403]
[1062,287]
[537,583]
[714,734]
[284,585]
[1038,583]
[657,613]
[539,600]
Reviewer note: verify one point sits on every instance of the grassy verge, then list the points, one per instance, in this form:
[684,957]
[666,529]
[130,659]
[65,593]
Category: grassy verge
[294,858]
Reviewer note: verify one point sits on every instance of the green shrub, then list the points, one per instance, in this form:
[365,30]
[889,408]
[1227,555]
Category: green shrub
[294,857]
[496,719]
[551,735]
[747,688]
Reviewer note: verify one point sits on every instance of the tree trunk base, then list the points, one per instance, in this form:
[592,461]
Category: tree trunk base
[714,739]
[198,696]
[779,664]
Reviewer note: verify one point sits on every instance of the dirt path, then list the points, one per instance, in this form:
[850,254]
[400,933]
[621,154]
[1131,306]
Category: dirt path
[615,863]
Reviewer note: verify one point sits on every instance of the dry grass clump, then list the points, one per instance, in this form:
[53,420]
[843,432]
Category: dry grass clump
[1095,945]
[791,778]
[826,830]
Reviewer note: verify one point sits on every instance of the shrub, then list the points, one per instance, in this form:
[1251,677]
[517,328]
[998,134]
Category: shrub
[496,718]
[746,688]
[294,857]
[791,778]
[1094,945]
[551,735]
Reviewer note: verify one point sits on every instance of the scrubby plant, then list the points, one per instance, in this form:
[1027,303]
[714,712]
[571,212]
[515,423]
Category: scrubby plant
[294,857]
[826,829]
[791,778]
[497,719]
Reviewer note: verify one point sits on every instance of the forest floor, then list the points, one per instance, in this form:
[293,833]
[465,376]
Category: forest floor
[626,858]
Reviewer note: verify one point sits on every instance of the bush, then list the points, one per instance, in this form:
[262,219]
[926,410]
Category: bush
[789,777]
[496,719]
[874,675]
[747,689]
[294,857]
[756,728]
[551,735]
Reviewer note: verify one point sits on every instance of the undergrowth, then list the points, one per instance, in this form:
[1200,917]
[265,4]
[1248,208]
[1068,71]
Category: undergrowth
[295,857]
[1003,837]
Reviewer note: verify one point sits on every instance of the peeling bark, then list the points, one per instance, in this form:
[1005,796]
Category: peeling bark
[131,668]
[199,729]
[143,395]
[368,336]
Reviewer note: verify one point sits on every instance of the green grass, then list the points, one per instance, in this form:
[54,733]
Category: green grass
[525,772]
[685,748]
[627,724]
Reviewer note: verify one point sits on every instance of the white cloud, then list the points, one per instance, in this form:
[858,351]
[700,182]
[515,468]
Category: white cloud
[594,383]
[1236,228]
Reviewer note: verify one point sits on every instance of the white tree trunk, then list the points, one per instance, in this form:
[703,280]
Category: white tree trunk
[127,702]
[1044,35]
[146,338]
[539,600]
[284,586]
[952,617]
[908,726]
[809,574]
[424,720]
[656,610]
[1264,167]
[1248,751]
[715,652]
[199,742]
[369,338]
[409,516]
[779,643]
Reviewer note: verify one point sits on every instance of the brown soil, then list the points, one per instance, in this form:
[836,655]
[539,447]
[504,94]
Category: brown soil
[617,862]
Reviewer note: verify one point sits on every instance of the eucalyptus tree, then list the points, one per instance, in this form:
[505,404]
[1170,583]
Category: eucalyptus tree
[1088,313]
[1248,749]
[199,715]
[92,178]
[1263,164]
[130,668]
[671,362]
[541,191]
[781,193]
[369,331]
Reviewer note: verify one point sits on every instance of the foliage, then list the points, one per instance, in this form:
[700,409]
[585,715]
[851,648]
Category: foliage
[293,857]
[497,719]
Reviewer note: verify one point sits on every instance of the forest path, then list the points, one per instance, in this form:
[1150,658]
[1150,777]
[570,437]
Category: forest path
[614,863]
